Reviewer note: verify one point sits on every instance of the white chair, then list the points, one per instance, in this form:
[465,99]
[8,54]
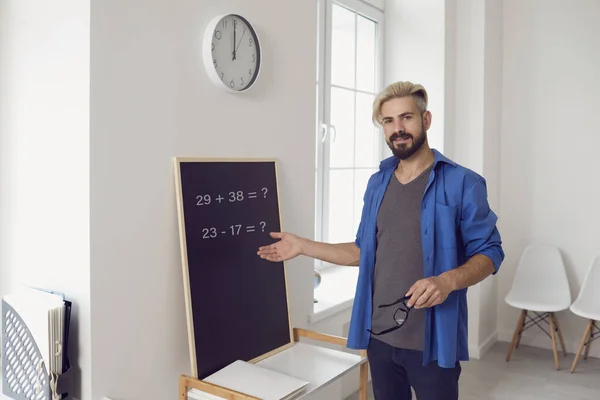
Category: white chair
[587,305]
[540,287]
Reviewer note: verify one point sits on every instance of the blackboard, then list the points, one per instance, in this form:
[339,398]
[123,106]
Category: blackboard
[236,302]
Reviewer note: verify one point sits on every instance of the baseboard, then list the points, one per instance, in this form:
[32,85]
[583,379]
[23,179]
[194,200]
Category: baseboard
[477,352]
[542,341]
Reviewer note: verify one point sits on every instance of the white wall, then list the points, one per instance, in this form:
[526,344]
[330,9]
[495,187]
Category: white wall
[44,131]
[473,137]
[465,138]
[151,101]
[415,51]
[6,145]
[550,191]
[492,132]
[380,4]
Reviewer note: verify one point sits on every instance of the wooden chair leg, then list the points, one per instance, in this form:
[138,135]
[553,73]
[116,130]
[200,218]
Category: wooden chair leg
[517,333]
[560,336]
[584,340]
[521,332]
[553,336]
[589,340]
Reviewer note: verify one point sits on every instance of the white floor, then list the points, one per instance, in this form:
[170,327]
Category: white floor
[529,375]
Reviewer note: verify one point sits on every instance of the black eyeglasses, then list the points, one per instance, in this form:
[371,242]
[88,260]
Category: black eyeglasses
[400,316]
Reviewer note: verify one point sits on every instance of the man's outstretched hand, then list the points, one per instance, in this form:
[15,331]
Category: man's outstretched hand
[288,247]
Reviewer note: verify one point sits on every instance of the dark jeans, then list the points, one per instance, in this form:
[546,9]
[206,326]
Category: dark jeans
[394,371]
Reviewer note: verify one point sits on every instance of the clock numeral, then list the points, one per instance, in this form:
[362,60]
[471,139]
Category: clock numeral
[222,75]
[215,62]
[218,35]
[213,46]
[232,83]
[253,57]
[235,23]
[250,72]
[242,79]
[224,24]
[250,42]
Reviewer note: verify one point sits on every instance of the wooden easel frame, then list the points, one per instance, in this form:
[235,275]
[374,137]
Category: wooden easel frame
[187,382]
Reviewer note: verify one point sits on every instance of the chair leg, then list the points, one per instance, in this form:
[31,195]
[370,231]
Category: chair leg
[553,336]
[589,340]
[584,340]
[521,333]
[517,333]
[560,336]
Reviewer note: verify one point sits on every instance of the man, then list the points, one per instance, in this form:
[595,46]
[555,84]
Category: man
[426,234]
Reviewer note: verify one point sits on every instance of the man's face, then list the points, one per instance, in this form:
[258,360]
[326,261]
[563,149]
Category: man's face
[404,128]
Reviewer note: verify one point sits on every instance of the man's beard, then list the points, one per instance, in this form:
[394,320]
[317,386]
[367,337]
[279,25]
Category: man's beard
[406,150]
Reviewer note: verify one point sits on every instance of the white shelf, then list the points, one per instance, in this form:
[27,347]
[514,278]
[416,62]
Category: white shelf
[315,364]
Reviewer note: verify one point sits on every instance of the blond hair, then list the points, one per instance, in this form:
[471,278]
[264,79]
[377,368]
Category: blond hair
[398,90]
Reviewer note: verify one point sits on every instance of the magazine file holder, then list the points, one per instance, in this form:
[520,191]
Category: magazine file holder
[25,376]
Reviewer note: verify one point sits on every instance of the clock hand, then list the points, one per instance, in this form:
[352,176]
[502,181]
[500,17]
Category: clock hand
[233,41]
[238,46]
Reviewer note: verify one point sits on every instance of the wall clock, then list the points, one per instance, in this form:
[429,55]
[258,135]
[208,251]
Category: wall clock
[231,52]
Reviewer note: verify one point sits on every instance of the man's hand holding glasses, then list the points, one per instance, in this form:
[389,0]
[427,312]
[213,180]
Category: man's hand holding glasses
[424,293]
[428,292]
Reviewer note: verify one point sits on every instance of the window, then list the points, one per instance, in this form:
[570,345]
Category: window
[349,147]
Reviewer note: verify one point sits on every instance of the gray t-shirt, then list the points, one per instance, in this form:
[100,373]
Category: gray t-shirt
[399,261]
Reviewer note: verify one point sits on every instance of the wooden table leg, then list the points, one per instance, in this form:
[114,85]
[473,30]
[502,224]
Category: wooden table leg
[183,390]
[364,377]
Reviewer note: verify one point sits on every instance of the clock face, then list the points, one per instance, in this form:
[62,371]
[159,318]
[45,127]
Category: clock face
[235,54]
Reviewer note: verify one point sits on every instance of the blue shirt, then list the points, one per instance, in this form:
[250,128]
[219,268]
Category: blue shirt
[456,224]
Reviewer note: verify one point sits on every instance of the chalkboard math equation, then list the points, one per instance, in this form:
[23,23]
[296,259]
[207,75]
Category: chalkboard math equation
[232,230]
[226,209]
[231,197]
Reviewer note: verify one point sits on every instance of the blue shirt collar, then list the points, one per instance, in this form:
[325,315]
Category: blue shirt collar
[393,161]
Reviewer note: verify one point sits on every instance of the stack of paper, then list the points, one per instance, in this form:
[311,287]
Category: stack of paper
[198,395]
[256,381]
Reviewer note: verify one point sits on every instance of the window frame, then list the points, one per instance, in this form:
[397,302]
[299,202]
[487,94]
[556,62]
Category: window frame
[323,89]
